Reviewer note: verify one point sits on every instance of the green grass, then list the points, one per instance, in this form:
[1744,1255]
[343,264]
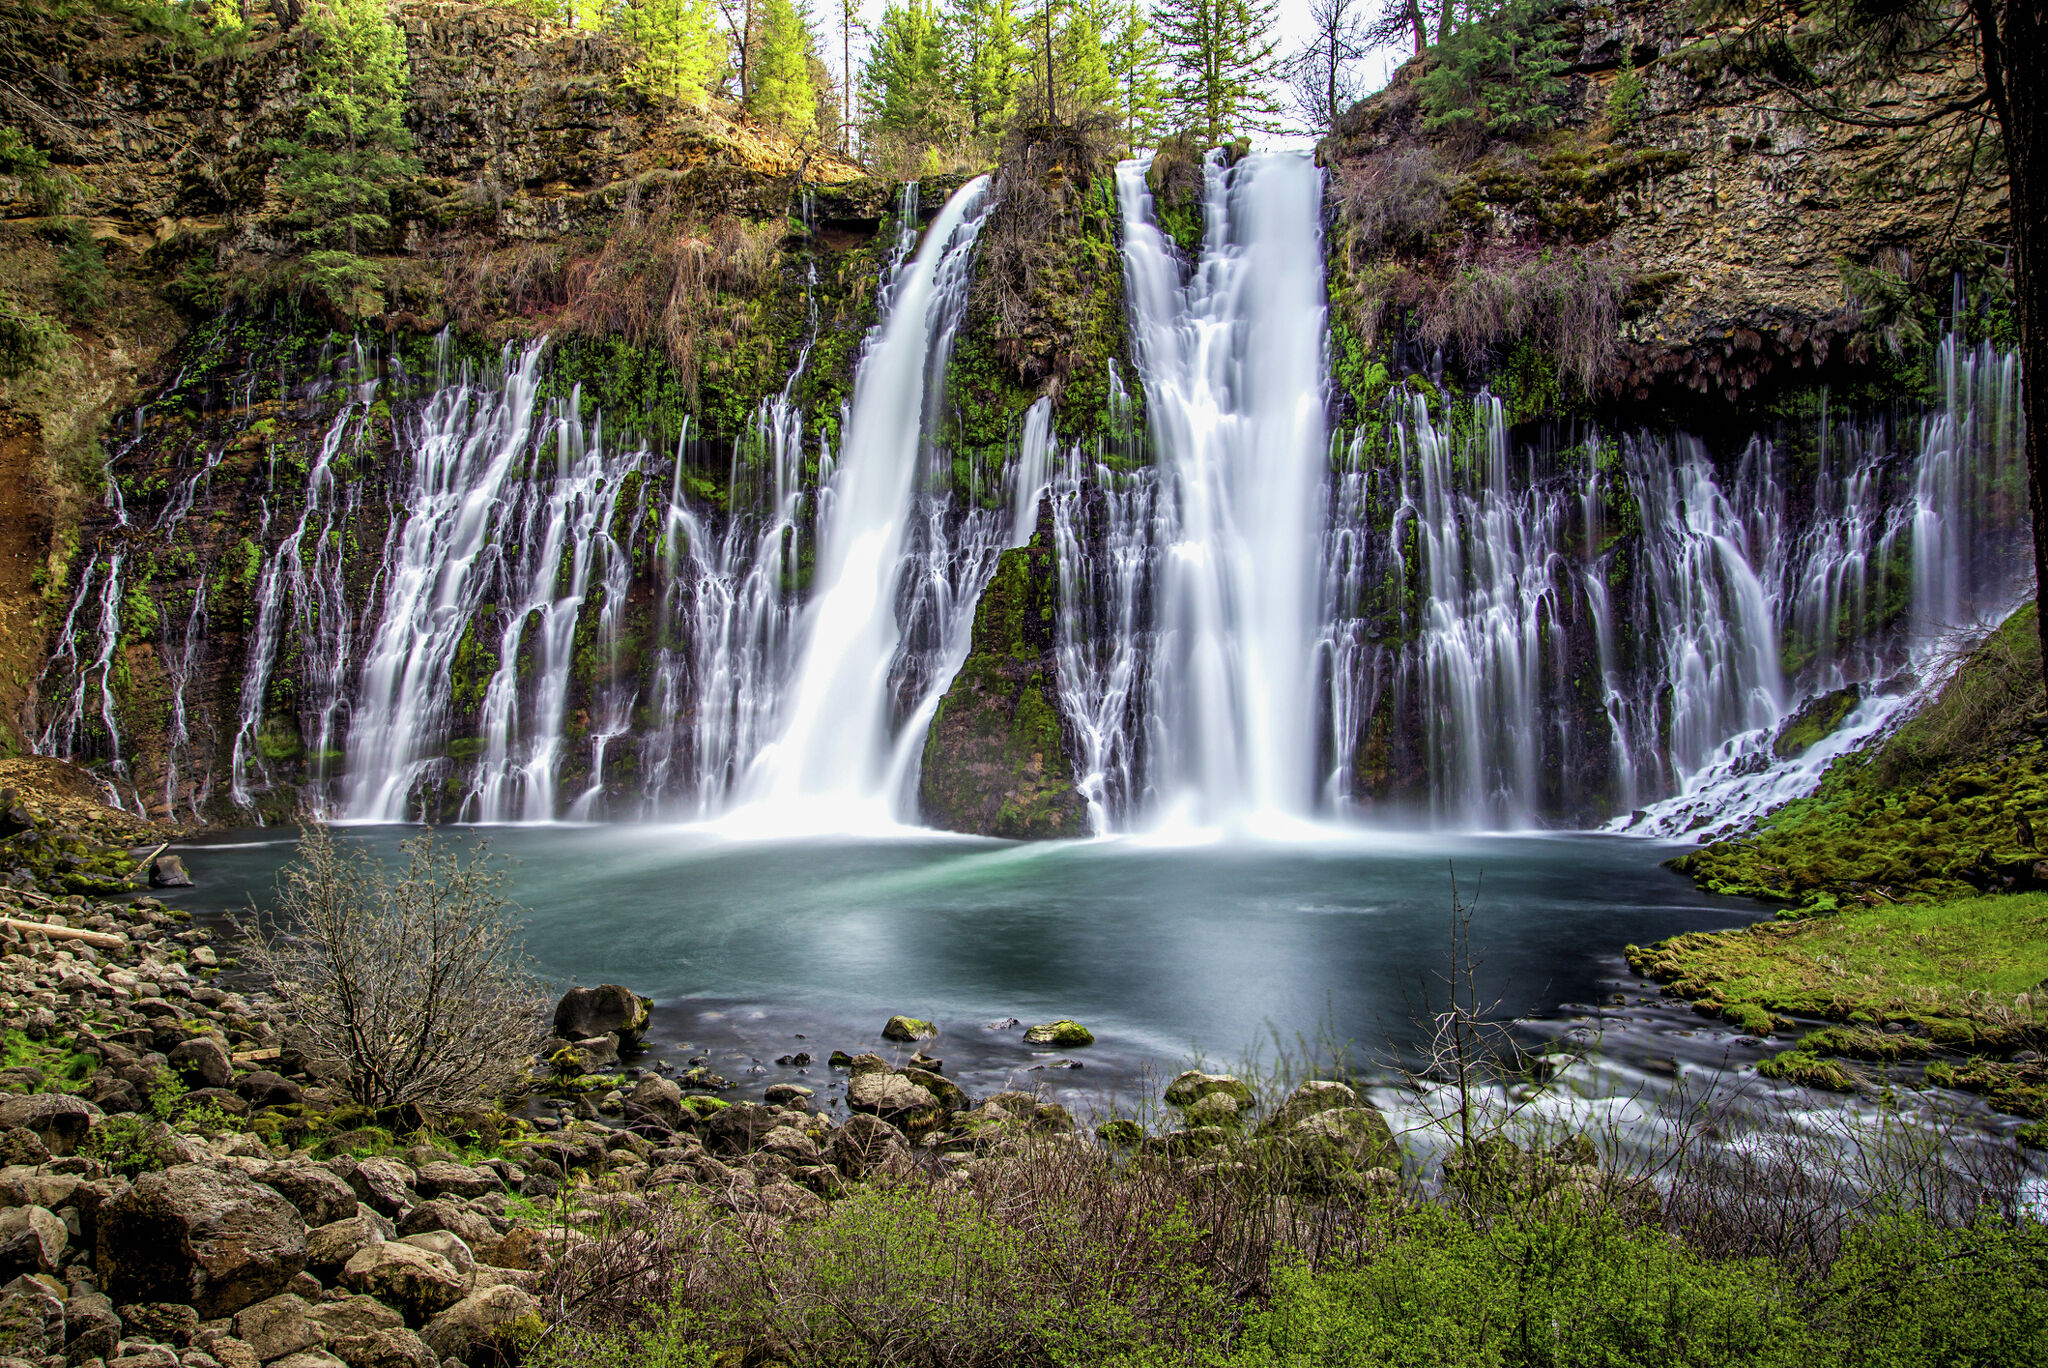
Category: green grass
[1967,960]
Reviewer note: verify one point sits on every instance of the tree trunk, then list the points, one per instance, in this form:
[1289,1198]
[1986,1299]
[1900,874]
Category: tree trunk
[2015,49]
[1421,33]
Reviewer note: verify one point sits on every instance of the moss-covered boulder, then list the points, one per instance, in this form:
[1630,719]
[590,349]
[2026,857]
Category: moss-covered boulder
[1063,1034]
[997,760]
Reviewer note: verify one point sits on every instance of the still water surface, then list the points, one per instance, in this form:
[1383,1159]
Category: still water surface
[753,949]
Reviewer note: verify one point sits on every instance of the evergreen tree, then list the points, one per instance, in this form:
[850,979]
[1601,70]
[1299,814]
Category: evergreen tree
[783,93]
[339,174]
[1219,54]
[992,60]
[1502,74]
[906,86]
[1134,64]
[681,54]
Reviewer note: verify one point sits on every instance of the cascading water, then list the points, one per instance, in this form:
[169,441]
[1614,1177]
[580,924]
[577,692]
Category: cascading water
[839,761]
[434,572]
[1231,355]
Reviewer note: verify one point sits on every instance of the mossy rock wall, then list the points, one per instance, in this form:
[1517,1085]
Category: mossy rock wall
[997,761]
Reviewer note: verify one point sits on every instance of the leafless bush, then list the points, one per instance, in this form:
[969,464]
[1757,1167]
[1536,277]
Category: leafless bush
[1743,1177]
[1567,302]
[414,986]
[1392,199]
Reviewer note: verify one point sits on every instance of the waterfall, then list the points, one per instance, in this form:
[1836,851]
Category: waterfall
[839,761]
[315,594]
[434,571]
[1230,352]
[548,535]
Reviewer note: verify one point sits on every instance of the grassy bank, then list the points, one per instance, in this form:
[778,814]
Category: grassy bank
[1913,915]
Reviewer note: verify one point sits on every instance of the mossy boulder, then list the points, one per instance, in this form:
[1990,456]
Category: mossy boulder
[1191,1086]
[997,759]
[1064,1034]
[908,1028]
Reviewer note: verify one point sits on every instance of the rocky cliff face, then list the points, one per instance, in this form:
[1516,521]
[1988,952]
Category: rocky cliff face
[996,760]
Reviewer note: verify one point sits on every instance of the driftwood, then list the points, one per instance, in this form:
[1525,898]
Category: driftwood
[101,939]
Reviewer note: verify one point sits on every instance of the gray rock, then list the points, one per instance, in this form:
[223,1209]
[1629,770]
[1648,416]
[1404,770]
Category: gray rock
[330,1247]
[416,1281]
[586,1012]
[384,1185]
[91,1328]
[448,1245]
[32,1240]
[203,1062]
[444,1214]
[59,1120]
[442,1179]
[865,1144]
[310,1358]
[1193,1085]
[217,1241]
[165,1322]
[168,871]
[264,1088]
[278,1326]
[31,1318]
[887,1094]
[481,1324]
[659,1098]
[1316,1095]
[388,1347]
[319,1196]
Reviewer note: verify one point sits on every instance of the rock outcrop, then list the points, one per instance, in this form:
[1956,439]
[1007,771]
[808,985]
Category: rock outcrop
[997,760]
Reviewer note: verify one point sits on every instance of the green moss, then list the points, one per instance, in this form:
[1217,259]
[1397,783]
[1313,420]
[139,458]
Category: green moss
[1809,1071]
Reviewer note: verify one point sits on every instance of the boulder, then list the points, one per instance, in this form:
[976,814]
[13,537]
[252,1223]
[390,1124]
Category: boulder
[230,1352]
[416,1281]
[32,1240]
[31,1318]
[389,1347]
[168,871]
[383,1185]
[1316,1095]
[203,1062]
[791,1144]
[164,1322]
[306,1358]
[319,1196]
[740,1127]
[442,1179]
[59,1120]
[658,1098]
[949,1093]
[331,1246]
[448,1245]
[908,1028]
[608,1008]
[866,1063]
[888,1094]
[788,1095]
[519,1248]
[1192,1086]
[357,1315]
[489,1326]
[865,1144]
[1063,1034]
[278,1326]
[1213,1109]
[91,1329]
[442,1214]
[264,1088]
[218,1241]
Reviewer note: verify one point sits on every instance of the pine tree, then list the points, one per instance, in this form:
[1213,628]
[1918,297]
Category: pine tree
[1134,63]
[1220,56]
[906,86]
[339,174]
[783,94]
[984,38]
[681,54]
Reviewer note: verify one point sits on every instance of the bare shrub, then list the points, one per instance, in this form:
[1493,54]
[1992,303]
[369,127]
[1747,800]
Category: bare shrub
[1392,199]
[1566,301]
[413,985]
